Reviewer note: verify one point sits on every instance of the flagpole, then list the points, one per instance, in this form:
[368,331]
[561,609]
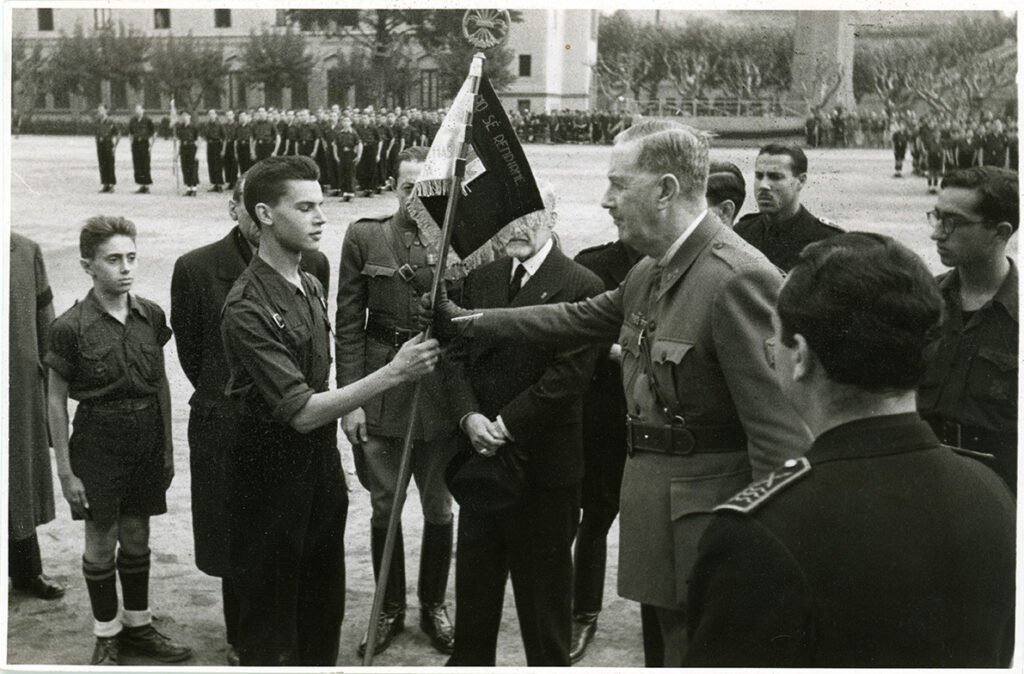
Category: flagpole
[402,482]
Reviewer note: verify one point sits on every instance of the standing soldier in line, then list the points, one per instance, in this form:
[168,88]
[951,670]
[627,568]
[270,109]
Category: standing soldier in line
[199,285]
[324,156]
[384,270]
[899,146]
[346,149]
[230,162]
[395,148]
[30,476]
[266,141]
[387,139]
[243,142]
[291,134]
[188,136]
[140,128]
[107,136]
[106,352]
[366,171]
[213,134]
[307,139]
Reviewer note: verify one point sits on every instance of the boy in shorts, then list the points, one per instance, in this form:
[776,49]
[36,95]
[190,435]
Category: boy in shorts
[106,353]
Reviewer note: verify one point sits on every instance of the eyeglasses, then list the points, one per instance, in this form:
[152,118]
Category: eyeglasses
[946,223]
[769,352]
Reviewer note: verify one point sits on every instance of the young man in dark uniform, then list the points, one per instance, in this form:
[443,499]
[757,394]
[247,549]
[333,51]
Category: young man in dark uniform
[140,128]
[366,171]
[107,353]
[229,159]
[969,391]
[881,547]
[782,227]
[243,142]
[288,495]
[199,285]
[107,135]
[188,137]
[213,133]
[265,136]
[345,149]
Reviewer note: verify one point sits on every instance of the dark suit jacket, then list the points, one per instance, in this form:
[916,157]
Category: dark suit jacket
[535,388]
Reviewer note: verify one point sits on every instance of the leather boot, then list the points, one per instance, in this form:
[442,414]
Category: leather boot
[392,616]
[435,562]
[583,627]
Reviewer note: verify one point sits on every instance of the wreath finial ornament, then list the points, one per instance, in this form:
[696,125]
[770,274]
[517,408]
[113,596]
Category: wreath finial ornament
[486,28]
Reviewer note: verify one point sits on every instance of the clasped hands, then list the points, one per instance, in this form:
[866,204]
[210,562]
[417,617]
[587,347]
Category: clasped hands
[486,436]
[447,318]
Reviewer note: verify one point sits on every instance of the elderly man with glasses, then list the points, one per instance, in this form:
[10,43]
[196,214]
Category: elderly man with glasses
[969,392]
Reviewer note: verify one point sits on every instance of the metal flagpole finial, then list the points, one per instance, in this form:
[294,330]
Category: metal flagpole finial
[486,28]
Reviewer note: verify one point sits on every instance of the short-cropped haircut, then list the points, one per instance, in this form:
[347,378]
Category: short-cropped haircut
[667,146]
[798,160]
[867,306]
[725,181]
[998,198]
[265,181]
[98,229]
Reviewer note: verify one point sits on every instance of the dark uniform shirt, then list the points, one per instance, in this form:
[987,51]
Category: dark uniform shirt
[970,385]
[140,128]
[103,359]
[277,341]
[213,131]
[881,548]
[106,130]
[186,133]
[263,130]
[345,141]
[782,242]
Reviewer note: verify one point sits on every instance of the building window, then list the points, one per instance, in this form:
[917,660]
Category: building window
[272,96]
[45,18]
[61,98]
[300,94]
[118,95]
[151,93]
[281,17]
[222,18]
[525,65]
[101,18]
[238,91]
[428,89]
[161,18]
[523,105]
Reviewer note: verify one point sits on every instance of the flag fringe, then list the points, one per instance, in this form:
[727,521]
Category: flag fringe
[437,187]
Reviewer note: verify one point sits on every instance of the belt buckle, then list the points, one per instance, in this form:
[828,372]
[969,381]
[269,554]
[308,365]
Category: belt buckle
[683,442]
[407,273]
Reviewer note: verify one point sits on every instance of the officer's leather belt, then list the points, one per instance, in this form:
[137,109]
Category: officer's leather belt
[119,405]
[683,440]
[390,335]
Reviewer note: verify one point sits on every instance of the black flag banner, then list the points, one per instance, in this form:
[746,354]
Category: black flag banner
[498,187]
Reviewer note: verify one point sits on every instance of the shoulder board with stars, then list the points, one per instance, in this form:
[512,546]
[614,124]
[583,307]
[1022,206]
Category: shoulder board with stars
[761,491]
[829,223]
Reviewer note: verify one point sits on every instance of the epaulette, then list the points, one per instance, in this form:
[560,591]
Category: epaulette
[987,459]
[828,223]
[372,218]
[760,492]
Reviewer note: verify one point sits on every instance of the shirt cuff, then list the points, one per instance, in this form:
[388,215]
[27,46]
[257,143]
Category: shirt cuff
[504,428]
[289,407]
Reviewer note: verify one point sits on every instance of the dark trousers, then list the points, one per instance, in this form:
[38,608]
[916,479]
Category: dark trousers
[264,148]
[211,434]
[189,165]
[366,172]
[533,542]
[230,165]
[346,172]
[229,595]
[23,559]
[289,505]
[244,156]
[214,162]
[105,154]
[323,158]
[140,162]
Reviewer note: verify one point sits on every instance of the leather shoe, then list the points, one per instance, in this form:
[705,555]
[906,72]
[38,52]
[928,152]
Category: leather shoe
[389,625]
[106,651]
[583,627]
[435,624]
[147,641]
[41,586]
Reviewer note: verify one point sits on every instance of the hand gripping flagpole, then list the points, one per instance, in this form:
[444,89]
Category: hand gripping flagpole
[402,483]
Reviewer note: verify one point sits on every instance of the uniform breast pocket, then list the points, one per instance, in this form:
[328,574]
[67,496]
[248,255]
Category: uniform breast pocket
[148,361]
[297,336]
[99,366]
[994,376]
[674,370]
[630,347]
[378,270]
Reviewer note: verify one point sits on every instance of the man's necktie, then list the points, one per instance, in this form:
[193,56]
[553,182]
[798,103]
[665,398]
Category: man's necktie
[517,282]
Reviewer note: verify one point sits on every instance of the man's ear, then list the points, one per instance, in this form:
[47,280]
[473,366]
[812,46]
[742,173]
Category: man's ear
[726,211]
[1004,230]
[263,212]
[804,360]
[668,189]
[802,178]
[86,265]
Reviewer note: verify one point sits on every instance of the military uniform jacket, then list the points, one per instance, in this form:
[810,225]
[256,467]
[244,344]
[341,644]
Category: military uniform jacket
[782,242]
[140,128]
[106,130]
[263,130]
[345,141]
[711,312]
[186,133]
[882,548]
[370,287]
[213,131]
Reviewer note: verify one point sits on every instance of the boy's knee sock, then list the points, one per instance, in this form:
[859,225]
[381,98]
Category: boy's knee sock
[99,579]
[134,573]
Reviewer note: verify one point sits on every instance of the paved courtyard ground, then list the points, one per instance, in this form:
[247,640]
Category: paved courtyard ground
[53,189]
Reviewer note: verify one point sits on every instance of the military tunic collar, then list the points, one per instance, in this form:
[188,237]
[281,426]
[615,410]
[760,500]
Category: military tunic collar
[92,310]
[1007,295]
[873,437]
[691,243]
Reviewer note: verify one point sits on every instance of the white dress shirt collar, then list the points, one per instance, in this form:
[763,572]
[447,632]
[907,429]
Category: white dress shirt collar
[533,264]
[674,248]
